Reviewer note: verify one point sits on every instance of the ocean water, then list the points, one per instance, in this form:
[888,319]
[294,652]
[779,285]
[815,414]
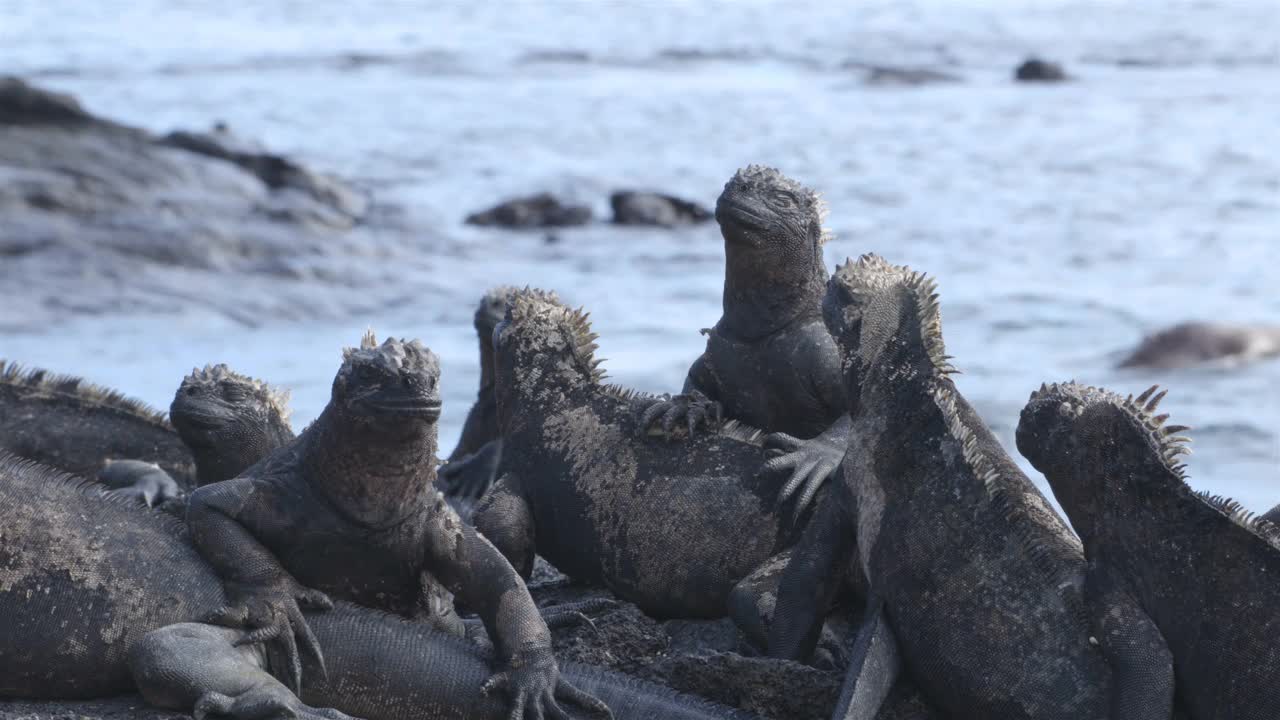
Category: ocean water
[1062,222]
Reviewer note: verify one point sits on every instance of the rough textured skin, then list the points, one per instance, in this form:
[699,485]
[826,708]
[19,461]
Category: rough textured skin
[1180,584]
[978,576]
[671,528]
[69,424]
[229,421]
[1273,515]
[78,603]
[1193,343]
[473,464]
[770,362]
[349,509]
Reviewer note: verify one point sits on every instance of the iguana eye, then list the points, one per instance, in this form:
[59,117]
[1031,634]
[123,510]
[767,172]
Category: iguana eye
[784,199]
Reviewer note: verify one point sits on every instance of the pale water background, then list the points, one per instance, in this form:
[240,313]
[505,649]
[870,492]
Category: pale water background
[1062,222]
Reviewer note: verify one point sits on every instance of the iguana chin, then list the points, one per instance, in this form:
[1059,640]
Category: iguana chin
[229,421]
[349,509]
[77,427]
[99,596]
[672,528]
[473,464]
[973,577]
[1183,588]
[769,362]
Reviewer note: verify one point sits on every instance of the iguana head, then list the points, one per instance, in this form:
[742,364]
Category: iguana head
[1082,438]
[885,319]
[542,349]
[773,237]
[218,412]
[395,384]
[493,307]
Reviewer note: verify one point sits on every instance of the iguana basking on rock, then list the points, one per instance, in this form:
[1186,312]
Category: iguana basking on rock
[90,588]
[473,464]
[671,528]
[229,421]
[74,426]
[349,509]
[974,579]
[770,362]
[1180,584]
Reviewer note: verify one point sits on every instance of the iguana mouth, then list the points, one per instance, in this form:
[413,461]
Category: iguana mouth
[412,407]
[739,214]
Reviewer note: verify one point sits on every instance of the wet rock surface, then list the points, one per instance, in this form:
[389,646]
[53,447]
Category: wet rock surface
[640,207]
[104,217]
[542,210]
[1195,343]
[1038,70]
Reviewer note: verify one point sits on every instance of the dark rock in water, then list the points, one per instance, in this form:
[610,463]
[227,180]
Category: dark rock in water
[1037,70]
[637,207]
[1193,343]
[103,217]
[534,211]
[889,75]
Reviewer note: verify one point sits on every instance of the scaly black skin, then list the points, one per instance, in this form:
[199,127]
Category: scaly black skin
[473,464]
[349,509]
[770,362]
[672,529]
[1273,515]
[229,421]
[1180,584]
[91,586]
[972,574]
[69,424]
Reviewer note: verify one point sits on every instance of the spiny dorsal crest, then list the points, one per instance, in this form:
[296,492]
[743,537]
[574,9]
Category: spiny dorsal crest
[1243,517]
[1141,411]
[400,354]
[756,179]
[45,383]
[540,311]
[275,399]
[871,279]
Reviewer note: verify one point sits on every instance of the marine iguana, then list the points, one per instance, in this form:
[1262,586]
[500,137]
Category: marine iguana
[672,530]
[229,421]
[90,587]
[973,577]
[67,423]
[349,509]
[770,362]
[1180,584]
[472,465]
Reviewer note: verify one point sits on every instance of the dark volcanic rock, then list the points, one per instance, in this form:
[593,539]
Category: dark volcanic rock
[1037,70]
[636,207]
[102,217]
[891,75]
[534,211]
[1193,343]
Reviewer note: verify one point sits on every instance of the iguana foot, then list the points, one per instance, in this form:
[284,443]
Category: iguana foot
[807,462]
[534,688]
[138,481]
[274,613]
[694,408]
[268,702]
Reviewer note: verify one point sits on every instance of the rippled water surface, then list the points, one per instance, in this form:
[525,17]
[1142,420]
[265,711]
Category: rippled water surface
[1062,222]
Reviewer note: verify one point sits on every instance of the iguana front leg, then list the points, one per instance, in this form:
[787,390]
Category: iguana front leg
[482,579]
[697,405]
[809,584]
[1142,681]
[263,596]
[504,518]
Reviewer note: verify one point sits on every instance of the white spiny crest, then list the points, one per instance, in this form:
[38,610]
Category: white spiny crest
[544,307]
[871,275]
[369,341]
[47,383]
